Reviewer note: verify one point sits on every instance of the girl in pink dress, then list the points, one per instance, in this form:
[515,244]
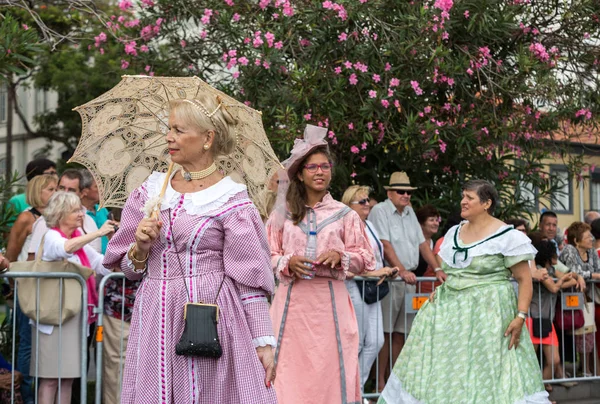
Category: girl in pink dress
[314,243]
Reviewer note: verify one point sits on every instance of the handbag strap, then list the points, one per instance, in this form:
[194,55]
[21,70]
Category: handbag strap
[379,246]
[181,265]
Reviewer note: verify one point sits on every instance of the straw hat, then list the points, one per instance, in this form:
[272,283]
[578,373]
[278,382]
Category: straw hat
[399,180]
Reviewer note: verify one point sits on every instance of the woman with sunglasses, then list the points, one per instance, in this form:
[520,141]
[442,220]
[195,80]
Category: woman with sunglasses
[368,313]
[315,241]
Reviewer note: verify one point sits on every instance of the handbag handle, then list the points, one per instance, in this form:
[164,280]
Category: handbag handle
[181,265]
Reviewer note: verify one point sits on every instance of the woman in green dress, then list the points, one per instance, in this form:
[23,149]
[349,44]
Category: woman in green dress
[467,343]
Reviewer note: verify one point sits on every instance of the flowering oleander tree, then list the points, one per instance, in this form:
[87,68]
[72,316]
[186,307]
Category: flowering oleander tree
[445,90]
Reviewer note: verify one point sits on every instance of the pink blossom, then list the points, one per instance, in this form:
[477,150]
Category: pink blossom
[385,103]
[451,82]
[394,82]
[469,71]
[304,42]
[257,42]
[585,113]
[230,3]
[361,67]
[442,145]
[148,3]
[363,146]
[147,68]
[337,70]
[278,45]
[183,43]
[388,67]
[445,35]
[396,103]
[125,5]
[348,64]
[353,80]
[415,86]
[25,27]
[132,23]
[351,126]
[427,109]
[466,14]
[342,37]
[257,62]
[376,78]
[372,93]
[390,92]
[243,61]
[121,19]
[263,4]
[444,5]
[353,174]
[485,130]
[369,125]
[270,37]
[130,48]
[159,21]
[363,159]
[275,16]
[235,75]
[354,150]
[124,64]
[232,53]
[266,65]
[307,117]
[203,34]
[539,51]
[236,17]
[330,134]
[146,32]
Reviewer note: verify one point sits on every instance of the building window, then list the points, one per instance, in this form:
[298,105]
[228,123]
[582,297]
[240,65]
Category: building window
[526,193]
[561,200]
[3,103]
[595,191]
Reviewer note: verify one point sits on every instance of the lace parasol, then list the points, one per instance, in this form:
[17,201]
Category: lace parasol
[123,136]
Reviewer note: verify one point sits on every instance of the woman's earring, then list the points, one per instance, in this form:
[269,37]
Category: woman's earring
[206,147]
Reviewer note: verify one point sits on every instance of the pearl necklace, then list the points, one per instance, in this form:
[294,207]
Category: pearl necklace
[198,175]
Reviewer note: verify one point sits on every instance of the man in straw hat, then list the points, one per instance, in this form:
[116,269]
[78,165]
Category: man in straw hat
[402,239]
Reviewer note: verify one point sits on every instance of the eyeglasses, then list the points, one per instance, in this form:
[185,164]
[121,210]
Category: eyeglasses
[361,202]
[403,191]
[312,168]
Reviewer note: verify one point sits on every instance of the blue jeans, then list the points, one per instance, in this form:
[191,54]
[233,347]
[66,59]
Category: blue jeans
[24,353]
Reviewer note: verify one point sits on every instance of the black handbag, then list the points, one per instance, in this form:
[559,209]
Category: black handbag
[372,293]
[200,336]
[541,329]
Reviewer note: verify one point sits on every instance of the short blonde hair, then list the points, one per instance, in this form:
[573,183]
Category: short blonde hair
[59,206]
[352,191]
[33,194]
[196,111]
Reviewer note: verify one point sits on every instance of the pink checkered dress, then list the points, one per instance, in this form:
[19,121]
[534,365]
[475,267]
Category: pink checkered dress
[196,252]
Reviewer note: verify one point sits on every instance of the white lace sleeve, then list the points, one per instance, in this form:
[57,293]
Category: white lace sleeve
[264,341]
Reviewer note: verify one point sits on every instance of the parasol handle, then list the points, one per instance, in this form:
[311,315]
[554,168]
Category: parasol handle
[162,191]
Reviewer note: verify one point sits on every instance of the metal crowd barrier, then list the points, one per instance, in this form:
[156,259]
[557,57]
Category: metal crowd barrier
[84,328]
[100,334]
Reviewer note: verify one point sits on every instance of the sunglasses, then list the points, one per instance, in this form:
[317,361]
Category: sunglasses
[403,191]
[361,202]
[312,168]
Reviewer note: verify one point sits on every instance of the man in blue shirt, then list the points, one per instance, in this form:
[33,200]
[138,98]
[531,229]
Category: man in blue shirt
[90,198]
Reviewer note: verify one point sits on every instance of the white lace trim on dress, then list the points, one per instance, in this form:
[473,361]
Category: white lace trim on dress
[510,244]
[264,341]
[195,203]
[395,393]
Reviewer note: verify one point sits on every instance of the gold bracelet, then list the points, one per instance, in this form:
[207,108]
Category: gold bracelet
[135,260]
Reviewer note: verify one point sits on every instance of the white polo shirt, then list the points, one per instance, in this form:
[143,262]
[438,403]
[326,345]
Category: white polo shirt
[403,231]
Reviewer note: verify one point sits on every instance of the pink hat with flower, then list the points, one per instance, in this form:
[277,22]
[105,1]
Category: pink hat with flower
[314,137]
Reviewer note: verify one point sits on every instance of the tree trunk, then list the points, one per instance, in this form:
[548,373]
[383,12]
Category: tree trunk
[11,99]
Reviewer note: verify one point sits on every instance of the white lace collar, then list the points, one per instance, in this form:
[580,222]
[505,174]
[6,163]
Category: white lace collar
[506,241]
[195,203]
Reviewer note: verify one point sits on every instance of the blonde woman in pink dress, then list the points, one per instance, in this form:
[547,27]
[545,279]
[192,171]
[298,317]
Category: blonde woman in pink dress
[315,241]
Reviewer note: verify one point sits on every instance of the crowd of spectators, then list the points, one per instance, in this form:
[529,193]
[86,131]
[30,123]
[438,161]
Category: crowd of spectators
[405,241]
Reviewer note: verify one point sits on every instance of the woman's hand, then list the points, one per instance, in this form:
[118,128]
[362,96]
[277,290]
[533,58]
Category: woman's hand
[514,330]
[4,264]
[108,228]
[441,276]
[330,258]
[267,358]
[580,283]
[383,274]
[147,231]
[299,266]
